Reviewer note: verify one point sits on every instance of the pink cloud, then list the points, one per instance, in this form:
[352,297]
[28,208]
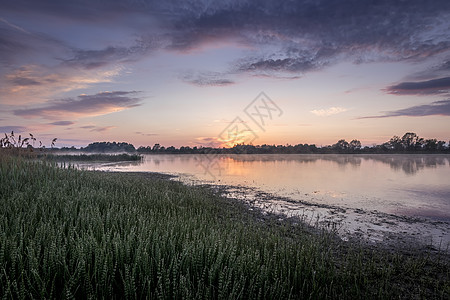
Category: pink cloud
[83,106]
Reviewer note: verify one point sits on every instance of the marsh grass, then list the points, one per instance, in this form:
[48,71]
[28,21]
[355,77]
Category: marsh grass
[24,147]
[67,233]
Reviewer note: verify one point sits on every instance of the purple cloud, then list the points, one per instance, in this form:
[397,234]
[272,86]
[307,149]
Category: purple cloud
[293,36]
[24,81]
[8,129]
[94,128]
[207,79]
[62,123]
[437,108]
[84,105]
[434,86]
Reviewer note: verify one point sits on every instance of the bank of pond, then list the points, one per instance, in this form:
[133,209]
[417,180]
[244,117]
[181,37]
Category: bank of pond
[84,234]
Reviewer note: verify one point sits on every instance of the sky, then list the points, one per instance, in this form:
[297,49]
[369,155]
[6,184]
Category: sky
[217,73]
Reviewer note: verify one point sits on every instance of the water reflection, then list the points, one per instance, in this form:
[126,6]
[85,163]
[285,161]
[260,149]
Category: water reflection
[398,184]
[108,166]
[409,164]
[365,193]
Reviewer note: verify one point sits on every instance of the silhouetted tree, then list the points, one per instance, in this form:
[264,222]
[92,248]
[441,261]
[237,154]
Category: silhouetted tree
[156,147]
[408,142]
[412,141]
[109,147]
[355,145]
[171,149]
[341,145]
[430,145]
[441,146]
[395,143]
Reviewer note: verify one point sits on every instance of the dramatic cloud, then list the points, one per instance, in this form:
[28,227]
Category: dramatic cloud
[306,35]
[35,66]
[289,60]
[437,108]
[35,84]
[329,111]
[8,129]
[434,86]
[93,59]
[84,105]
[288,36]
[207,79]
[286,64]
[18,45]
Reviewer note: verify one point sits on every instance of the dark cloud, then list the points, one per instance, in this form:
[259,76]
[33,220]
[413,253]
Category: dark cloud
[62,123]
[305,35]
[445,66]
[291,65]
[85,10]
[84,105]
[437,108]
[284,36]
[93,59]
[10,43]
[434,86]
[207,78]
[8,129]
[439,70]
[18,45]
[24,81]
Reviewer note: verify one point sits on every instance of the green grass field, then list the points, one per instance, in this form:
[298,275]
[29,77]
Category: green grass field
[67,233]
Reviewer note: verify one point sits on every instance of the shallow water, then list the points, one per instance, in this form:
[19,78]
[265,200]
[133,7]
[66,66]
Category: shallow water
[411,185]
[378,197]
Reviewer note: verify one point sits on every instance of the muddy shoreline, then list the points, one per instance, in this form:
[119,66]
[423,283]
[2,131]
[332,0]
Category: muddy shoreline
[370,229]
[374,229]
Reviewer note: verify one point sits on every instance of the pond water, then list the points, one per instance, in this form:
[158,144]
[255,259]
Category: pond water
[415,186]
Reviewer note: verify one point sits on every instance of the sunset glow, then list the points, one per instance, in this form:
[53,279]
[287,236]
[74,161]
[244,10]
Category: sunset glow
[180,73]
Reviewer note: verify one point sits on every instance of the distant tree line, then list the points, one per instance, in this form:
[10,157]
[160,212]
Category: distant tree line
[109,147]
[408,143]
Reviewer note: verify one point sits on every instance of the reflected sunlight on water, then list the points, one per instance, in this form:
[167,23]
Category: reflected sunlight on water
[413,185]
[376,197]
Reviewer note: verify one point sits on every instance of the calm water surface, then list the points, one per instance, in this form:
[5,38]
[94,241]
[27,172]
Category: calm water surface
[411,185]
